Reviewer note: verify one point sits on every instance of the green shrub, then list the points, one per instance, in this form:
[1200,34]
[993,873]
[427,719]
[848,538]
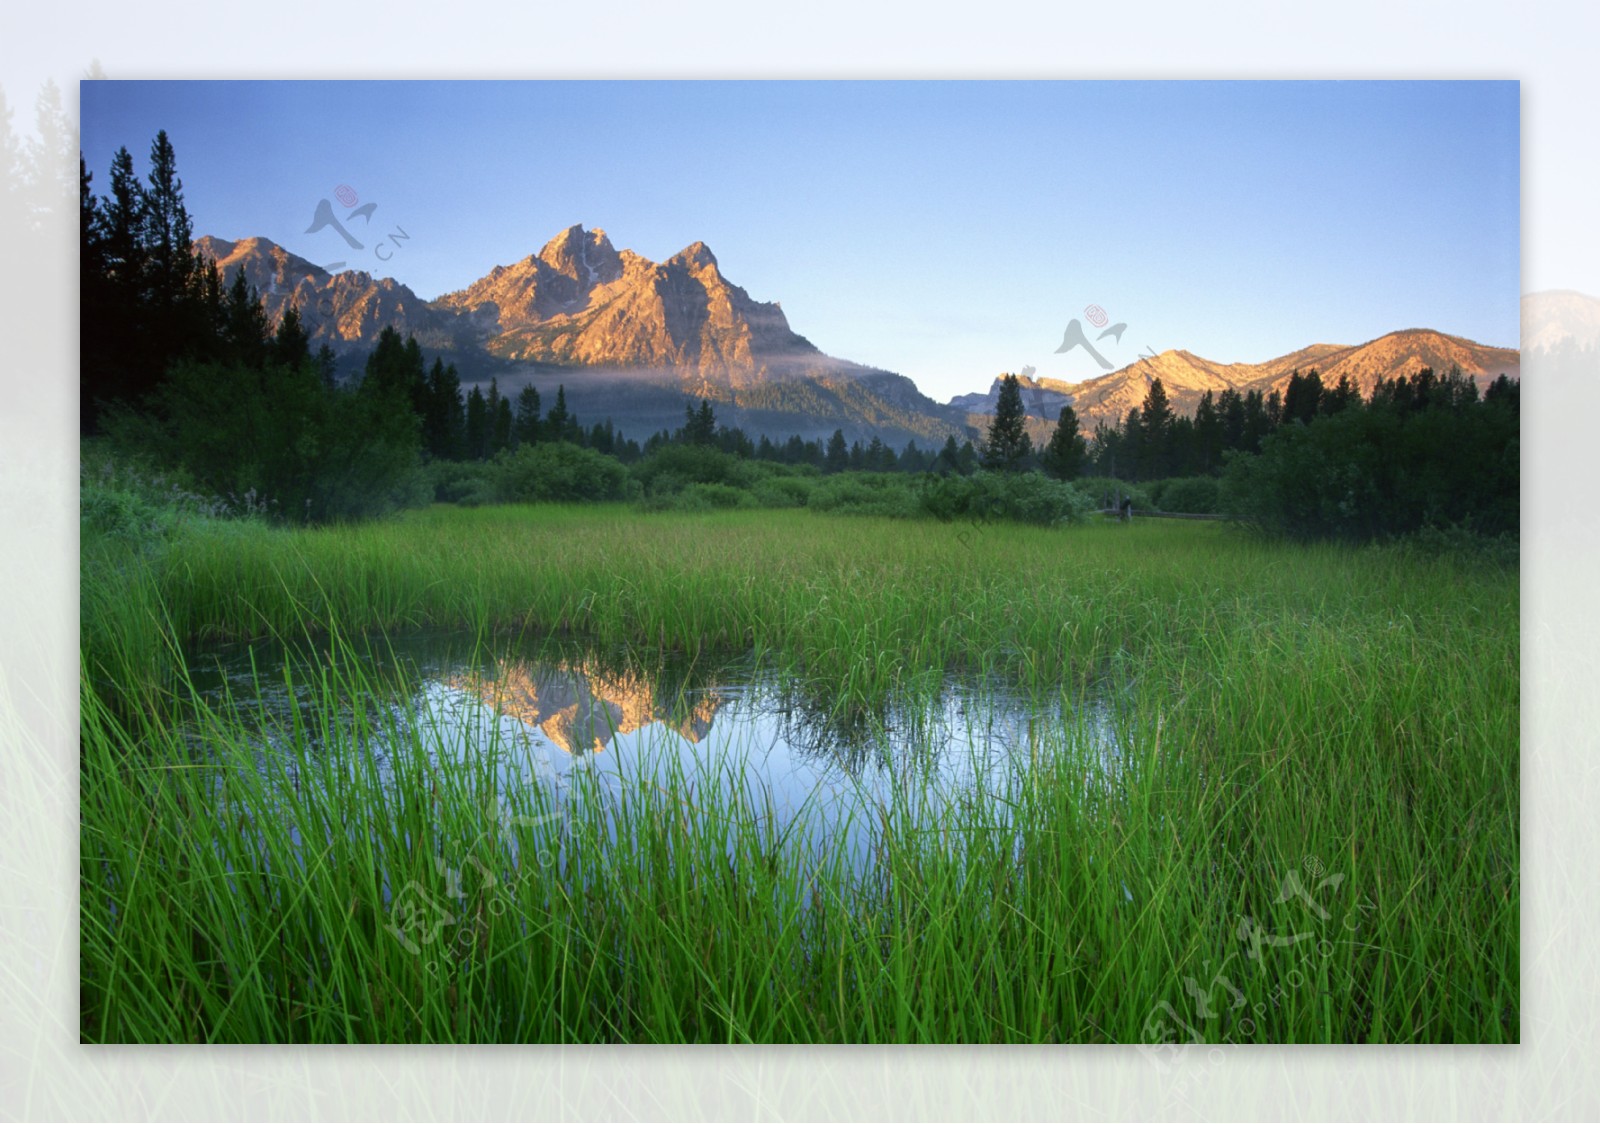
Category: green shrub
[1193,495]
[1108,492]
[784,491]
[673,468]
[468,483]
[556,472]
[1022,497]
[867,493]
[718,496]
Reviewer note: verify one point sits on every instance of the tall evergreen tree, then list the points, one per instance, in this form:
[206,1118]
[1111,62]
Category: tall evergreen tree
[168,231]
[560,423]
[501,422]
[699,426]
[246,331]
[1008,448]
[526,428]
[1066,453]
[1208,435]
[1155,454]
[444,416]
[477,435]
[327,367]
[838,457]
[291,347]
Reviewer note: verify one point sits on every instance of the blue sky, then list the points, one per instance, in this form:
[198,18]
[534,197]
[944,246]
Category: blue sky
[945,230]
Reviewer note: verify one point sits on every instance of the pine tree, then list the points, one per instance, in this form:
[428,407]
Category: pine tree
[443,417]
[699,426]
[500,429]
[327,367]
[526,428]
[1155,453]
[246,330]
[838,457]
[168,232]
[1008,448]
[477,426]
[559,422]
[879,457]
[291,347]
[1208,431]
[1066,453]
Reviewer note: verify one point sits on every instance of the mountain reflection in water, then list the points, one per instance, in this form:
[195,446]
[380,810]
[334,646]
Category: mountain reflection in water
[580,709]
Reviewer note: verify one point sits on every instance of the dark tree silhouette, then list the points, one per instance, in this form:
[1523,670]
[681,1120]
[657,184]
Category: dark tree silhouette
[1007,448]
[1067,452]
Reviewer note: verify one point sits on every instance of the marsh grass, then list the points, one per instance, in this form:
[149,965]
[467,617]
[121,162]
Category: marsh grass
[1311,835]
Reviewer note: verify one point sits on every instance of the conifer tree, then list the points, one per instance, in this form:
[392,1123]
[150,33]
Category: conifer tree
[1008,448]
[1065,454]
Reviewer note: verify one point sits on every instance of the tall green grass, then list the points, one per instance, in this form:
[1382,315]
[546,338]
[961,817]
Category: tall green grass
[1321,769]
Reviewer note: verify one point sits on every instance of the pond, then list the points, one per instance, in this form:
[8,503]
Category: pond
[568,718]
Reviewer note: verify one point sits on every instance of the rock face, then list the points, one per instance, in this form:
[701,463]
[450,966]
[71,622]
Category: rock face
[1186,377]
[578,302]
[345,310]
[631,340]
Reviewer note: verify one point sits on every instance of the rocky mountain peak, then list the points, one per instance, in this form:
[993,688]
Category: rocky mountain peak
[697,256]
[587,258]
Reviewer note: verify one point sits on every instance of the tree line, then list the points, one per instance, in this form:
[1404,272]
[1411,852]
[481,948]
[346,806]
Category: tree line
[178,365]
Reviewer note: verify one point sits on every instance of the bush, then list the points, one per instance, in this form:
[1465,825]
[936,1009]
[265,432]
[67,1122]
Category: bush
[784,491]
[1192,495]
[1022,497]
[468,483]
[867,493]
[1108,492]
[124,497]
[672,468]
[556,472]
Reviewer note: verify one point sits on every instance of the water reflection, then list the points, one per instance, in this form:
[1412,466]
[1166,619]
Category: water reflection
[562,716]
[581,706]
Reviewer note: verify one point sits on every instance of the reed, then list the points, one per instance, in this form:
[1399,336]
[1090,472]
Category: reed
[1312,835]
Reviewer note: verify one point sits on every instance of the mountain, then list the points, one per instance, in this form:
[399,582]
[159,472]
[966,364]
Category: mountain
[1041,398]
[1186,376]
[630,339]
[345,310]
[579,302]
[1554,317]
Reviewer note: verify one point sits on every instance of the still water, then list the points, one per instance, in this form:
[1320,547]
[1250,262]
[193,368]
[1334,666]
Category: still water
[570,718]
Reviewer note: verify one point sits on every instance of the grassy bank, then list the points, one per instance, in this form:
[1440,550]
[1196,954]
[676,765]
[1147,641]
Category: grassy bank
[1316,839]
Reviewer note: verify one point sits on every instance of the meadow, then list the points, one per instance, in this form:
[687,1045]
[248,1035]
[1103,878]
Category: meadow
[1313,835]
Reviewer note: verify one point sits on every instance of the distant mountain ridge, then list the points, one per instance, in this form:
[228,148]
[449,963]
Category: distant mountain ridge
[1186,376]
[630,339]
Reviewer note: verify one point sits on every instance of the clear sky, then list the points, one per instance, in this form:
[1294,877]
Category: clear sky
[944,230]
